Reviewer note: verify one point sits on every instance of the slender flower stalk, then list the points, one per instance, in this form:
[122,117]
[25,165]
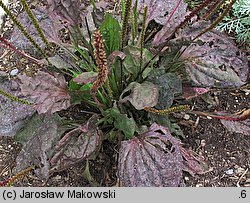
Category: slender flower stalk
[217,20]
[142,37]
[193,13]
[35,22]
[125,19]
[14,98]
[16,177]
[168,110]
[212,9]
[22,29]
[102,65]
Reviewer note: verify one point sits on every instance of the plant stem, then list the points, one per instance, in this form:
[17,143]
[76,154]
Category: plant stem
[20,52]
[23,30]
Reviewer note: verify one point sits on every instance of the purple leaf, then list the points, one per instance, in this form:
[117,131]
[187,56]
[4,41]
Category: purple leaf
[114,55]
[168,13]
[77,145]
[151,159]
[38,137]
[85,78]
[13,114]
[214,59]
[242,127]
[193,163]
[48,90]
[160,10]
[70,11]
[50,28]
[192,92]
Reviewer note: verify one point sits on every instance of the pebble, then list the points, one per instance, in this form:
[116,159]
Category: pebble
[239,171]
[229,172]
[58,177]
[186,117]
[203,143]
[14,72]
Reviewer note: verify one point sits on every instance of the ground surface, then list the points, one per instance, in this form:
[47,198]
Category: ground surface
[227,153]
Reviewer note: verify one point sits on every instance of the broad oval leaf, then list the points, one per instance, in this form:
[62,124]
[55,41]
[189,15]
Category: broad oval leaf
[121,122]
[48,90]
[164,16]
[14,115]
[169,86]
[38,138]
[77,145]
[214,59]
[151,159]
[142,95]
[85,78]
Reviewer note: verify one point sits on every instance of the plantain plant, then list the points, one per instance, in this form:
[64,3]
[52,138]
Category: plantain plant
[132,80]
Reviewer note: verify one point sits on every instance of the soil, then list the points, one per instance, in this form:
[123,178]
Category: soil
[226,153]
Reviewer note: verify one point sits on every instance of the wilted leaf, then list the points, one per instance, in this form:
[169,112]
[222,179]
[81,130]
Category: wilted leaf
[58,62]
[168,122]
[48,90]
[38,138]
[193,163]
[151,159]
[142,95]
[214,59]
[85,78]
[169,86]
[191,92]
[110,29]
[242,127]
[77,145]
[132,61]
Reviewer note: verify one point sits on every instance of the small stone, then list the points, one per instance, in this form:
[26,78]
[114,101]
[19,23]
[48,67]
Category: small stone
[14,72]
[186,178]
[239,171]
[58,177]
[186,117]
[210,118]
[229,172]
[203,143]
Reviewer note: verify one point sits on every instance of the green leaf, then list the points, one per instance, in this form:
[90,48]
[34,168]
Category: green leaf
[123,123]
[132,60]
[168,122]
[73,85]
[169,86]
[110,30]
